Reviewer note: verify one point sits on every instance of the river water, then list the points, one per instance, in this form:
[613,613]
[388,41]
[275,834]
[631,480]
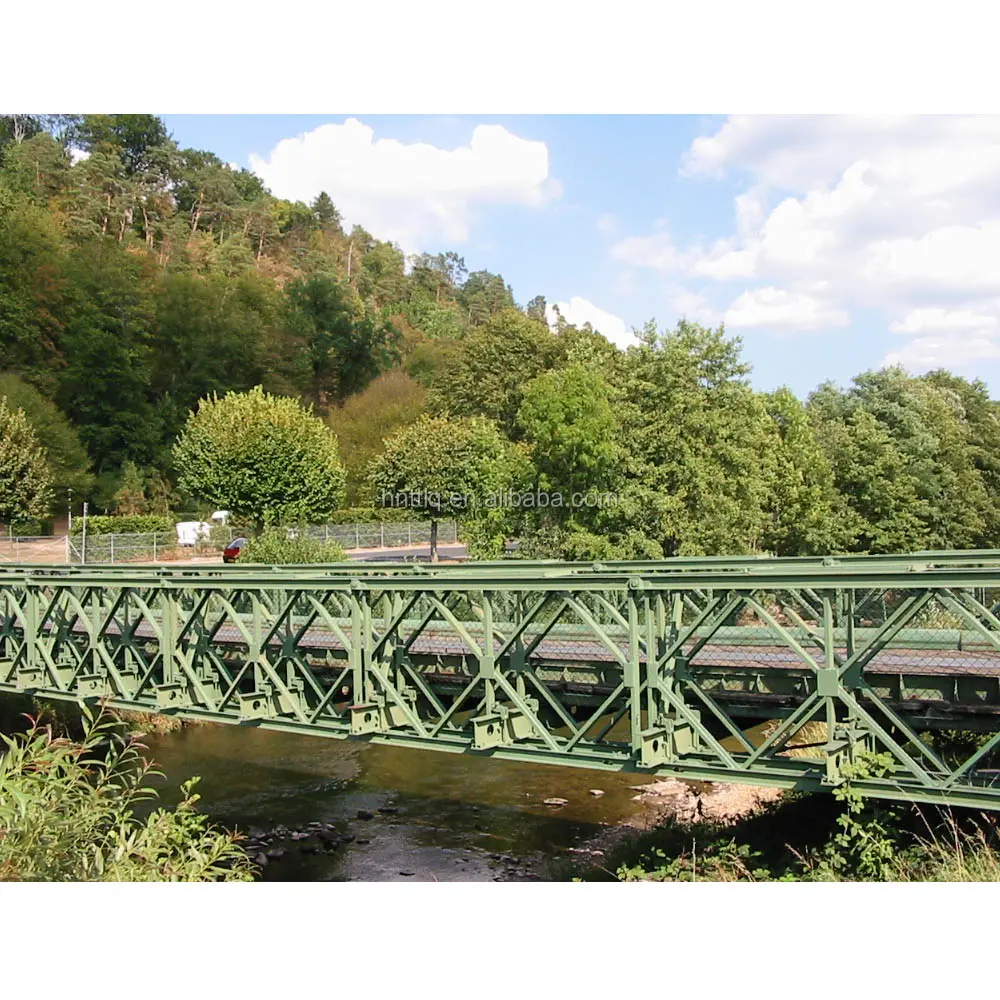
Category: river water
[443,817]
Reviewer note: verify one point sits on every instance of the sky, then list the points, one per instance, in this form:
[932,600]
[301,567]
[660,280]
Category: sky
[829,244]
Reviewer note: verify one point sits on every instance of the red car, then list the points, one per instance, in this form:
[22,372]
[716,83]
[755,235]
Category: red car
[232,551]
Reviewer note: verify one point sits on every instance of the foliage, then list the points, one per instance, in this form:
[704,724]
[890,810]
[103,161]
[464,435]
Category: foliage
[131,496]
[495,363]
[569,425]
[343,347]
[25,479]
[125,524]
[365,420]
[694,432]
[452,467]
[68,461]
[261,456]
[147,277]
[804,514]
[864,847]
[68,813]
[282,545]
[370,515]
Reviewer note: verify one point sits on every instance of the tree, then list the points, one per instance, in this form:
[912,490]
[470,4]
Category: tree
[344,347]
[68,461]
[870,474]
[262,457]
[981,417]
[25,481]
[483,295]
[492,368]
[366,419]
[131,136]
[131,495]
[804,513]
[103,385]
[569,426]
[536,309]
[923,422]
[442,467]
[326,212]
[693,433]
[33,289]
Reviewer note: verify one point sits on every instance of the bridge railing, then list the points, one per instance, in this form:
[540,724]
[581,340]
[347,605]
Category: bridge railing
[649,668]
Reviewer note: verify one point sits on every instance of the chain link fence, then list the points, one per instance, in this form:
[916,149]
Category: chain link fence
[163,546]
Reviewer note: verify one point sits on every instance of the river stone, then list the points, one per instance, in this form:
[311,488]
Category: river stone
[278,852]
[388,810]
[260,859]
[407,873]
[597,792]
[556,802]
[365,814]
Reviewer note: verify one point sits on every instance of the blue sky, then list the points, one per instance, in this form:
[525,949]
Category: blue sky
[829,244]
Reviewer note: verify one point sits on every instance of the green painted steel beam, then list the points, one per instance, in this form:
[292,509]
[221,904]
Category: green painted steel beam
[649,667]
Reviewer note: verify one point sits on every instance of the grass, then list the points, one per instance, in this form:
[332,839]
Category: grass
[799,839]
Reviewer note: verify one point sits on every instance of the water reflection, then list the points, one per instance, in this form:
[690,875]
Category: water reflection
[445,817]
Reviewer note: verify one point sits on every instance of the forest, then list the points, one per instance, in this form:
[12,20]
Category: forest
[138,278]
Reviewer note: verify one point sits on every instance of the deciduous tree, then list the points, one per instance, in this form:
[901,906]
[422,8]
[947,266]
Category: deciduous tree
[262,457]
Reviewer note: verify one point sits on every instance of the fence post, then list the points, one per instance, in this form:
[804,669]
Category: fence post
[381,529]
[67,549]
[112,548]
[154,546]
[357,536]
[409,533]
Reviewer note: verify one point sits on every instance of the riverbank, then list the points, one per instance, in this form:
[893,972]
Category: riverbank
[732,833]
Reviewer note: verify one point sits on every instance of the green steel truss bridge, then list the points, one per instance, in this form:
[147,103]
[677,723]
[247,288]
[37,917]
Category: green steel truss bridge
[663,668]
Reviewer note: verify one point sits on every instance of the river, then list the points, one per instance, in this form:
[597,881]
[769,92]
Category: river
[382,813]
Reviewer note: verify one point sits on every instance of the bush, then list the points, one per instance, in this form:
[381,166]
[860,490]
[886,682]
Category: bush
[67,814]
[274,546]
[126,524]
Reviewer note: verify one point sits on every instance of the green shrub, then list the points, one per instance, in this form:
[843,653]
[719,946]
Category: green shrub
[67,814]
[274,546]
[125,524]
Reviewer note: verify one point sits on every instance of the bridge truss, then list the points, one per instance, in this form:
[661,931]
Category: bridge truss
[656,668]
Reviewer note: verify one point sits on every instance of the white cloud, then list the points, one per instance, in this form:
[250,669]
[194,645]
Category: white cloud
[944,321]
[693,306]
[949,259]
[780,309]
[408,192]
[926,353]
[656,251]
[836,213]
[607,223]
[579,311]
